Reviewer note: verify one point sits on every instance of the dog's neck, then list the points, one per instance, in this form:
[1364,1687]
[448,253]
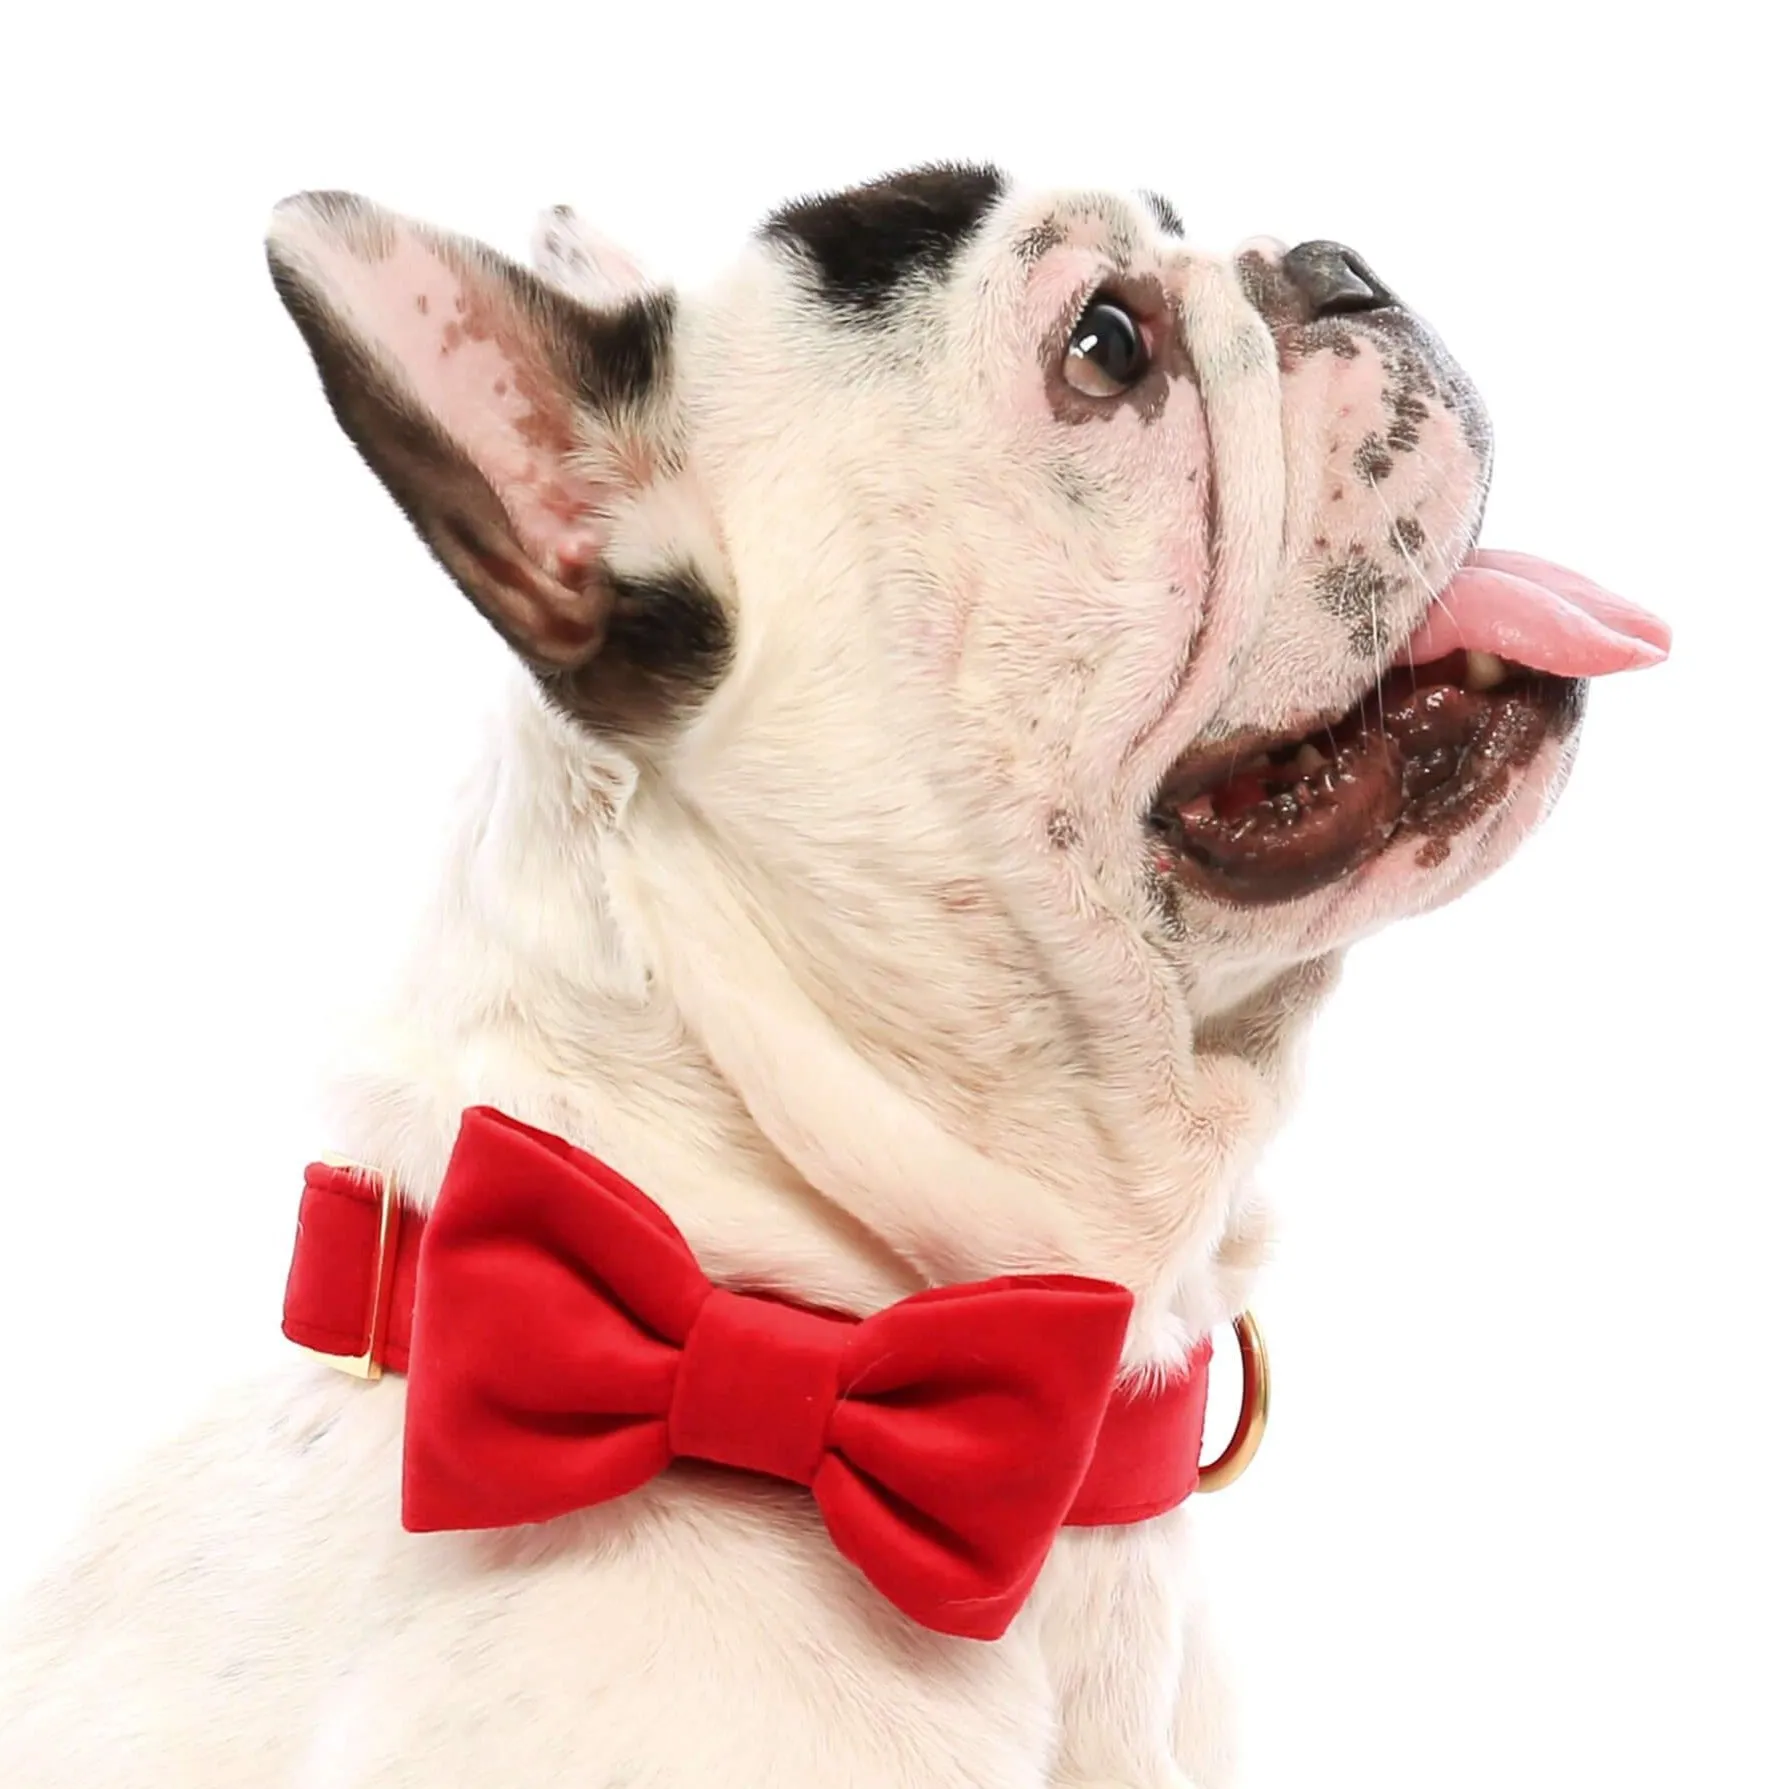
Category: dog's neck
[589,968]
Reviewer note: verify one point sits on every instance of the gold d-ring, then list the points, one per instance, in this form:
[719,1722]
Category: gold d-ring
[1251,1419]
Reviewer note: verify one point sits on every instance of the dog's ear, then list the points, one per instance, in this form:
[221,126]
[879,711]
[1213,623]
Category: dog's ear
[512,423]
[582,262]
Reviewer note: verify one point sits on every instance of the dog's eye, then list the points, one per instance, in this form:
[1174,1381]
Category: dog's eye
[1107,353]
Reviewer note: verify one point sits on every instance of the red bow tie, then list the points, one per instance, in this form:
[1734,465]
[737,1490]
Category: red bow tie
[565,1348]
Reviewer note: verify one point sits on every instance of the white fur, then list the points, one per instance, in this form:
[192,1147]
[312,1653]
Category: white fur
[857,973]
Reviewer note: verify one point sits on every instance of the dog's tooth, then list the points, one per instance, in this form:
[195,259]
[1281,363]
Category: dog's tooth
[1309,759]
[1484,670]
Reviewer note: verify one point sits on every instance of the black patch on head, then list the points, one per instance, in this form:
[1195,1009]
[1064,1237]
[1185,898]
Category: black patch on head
[865,244]
[1407,534]
[1165,215]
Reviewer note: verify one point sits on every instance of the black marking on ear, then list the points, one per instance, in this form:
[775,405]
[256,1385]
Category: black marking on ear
[610,357]
[622,356]
[442,494]
[669,644]
[637,652]
[671,624]
[863,245]
[1165,214]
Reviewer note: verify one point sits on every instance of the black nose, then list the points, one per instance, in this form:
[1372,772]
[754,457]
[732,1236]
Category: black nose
[1335,279]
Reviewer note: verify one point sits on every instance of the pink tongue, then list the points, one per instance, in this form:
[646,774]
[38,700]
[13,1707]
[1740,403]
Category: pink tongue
[1539,615]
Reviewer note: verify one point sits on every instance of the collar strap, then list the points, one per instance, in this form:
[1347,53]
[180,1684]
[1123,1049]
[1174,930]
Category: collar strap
[563,1347]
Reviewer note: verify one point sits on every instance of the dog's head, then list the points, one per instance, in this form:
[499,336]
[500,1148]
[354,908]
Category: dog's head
[988,580]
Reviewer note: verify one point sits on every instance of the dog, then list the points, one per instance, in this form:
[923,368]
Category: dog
[979,664]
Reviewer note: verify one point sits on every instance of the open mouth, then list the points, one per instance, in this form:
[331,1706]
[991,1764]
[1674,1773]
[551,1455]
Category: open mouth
[1432,749]
[1496,670]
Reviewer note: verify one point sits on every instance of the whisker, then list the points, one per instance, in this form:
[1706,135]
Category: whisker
[1429,588]
[1459,515]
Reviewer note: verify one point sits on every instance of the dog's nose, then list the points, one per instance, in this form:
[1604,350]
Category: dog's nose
[1334,279]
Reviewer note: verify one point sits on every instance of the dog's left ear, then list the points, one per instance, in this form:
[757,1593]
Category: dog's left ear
[577,259]
[518,428]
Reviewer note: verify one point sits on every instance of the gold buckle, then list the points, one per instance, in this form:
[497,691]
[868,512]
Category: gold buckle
[1251,1419]
[366,1366]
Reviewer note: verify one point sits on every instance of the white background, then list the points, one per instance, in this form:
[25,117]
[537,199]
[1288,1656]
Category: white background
[1521,1514]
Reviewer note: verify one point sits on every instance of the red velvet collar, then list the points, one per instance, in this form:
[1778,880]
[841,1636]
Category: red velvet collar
[564,1347]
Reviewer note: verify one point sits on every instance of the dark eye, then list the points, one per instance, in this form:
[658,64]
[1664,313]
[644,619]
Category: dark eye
[1107,353]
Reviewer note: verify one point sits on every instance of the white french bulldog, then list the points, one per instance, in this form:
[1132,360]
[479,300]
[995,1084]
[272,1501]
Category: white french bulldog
[982,661]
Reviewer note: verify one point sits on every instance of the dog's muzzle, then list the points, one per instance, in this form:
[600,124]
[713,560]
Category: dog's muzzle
[1334,281]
